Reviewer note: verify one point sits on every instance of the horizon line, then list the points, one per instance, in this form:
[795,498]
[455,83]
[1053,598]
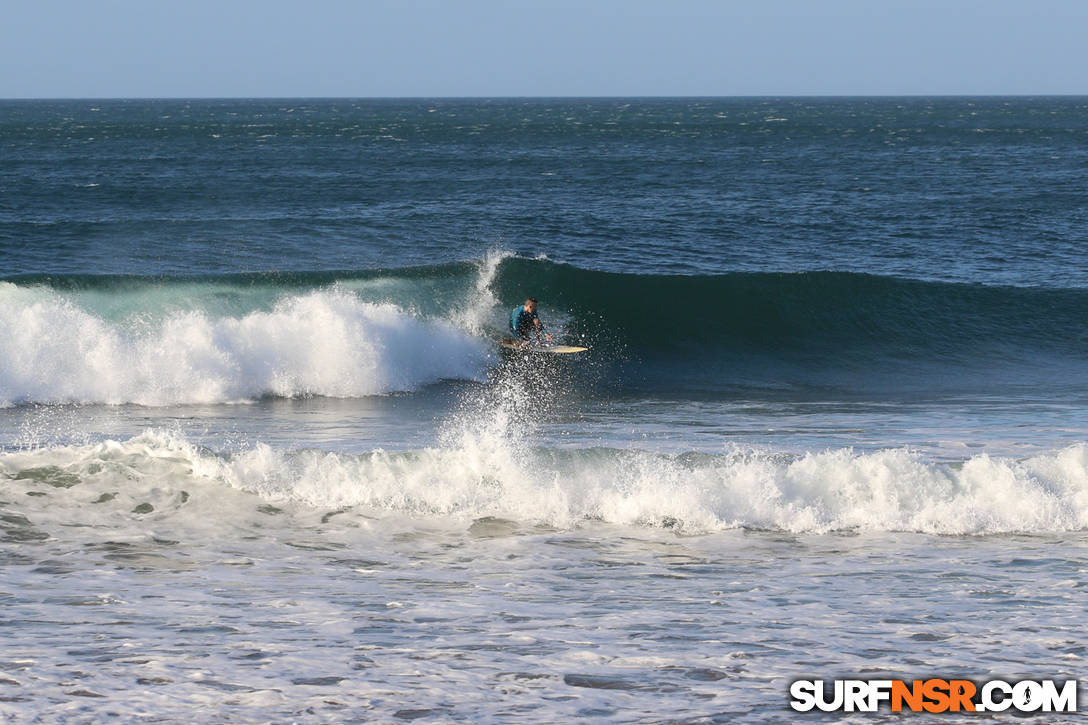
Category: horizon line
[546,97]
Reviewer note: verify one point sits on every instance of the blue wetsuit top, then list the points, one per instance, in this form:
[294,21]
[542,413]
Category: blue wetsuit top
[522,323]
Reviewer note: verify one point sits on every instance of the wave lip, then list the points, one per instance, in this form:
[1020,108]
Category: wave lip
[892,490]
[323,342]
[671,334]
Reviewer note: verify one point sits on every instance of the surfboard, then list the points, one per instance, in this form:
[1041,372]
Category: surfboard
[509,344]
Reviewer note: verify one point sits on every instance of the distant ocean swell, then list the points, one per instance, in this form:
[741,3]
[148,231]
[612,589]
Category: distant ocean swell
[164,340]
[168,481]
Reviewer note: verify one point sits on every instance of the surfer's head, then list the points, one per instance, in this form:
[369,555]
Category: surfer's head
[530,304]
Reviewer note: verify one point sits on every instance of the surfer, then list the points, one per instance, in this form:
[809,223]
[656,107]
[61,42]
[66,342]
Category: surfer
[524,323]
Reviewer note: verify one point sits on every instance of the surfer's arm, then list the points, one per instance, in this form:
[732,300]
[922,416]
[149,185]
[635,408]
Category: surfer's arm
[540,328]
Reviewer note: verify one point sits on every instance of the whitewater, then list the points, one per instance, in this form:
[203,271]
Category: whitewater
[324,343]
[262,460]
[483,476]
[331,497]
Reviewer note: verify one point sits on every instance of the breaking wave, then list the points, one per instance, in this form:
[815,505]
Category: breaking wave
[323,342]
[162,476]
[155,340]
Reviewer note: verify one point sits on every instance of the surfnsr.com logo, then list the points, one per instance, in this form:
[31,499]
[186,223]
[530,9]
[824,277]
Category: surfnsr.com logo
[934,695]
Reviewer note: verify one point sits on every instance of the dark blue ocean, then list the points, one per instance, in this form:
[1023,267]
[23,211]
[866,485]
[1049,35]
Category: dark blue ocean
[262,459]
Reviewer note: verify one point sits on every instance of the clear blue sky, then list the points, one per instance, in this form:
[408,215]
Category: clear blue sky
[251,48]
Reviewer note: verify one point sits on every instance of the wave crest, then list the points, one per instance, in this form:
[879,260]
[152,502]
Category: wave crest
[662,333]
[324,342]
[836,490]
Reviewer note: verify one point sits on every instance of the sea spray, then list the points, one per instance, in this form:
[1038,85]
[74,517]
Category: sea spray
[688,335]
[324,342]
[490,474]
[475,314]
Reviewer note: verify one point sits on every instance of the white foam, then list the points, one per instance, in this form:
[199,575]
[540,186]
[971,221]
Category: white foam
[482,302]
[890,490]
[327,342]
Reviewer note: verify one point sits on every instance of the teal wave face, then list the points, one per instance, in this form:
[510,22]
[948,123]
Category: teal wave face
[812,310]
[431,289]
[183,341]
[676,332]
[818,328]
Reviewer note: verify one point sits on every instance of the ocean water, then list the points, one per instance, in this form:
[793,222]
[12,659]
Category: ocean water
[261,459]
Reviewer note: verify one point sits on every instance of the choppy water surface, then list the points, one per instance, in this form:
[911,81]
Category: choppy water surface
[262,461]
[287,617]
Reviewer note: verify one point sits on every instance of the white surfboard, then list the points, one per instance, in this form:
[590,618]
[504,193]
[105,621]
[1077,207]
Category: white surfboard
[509,344]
